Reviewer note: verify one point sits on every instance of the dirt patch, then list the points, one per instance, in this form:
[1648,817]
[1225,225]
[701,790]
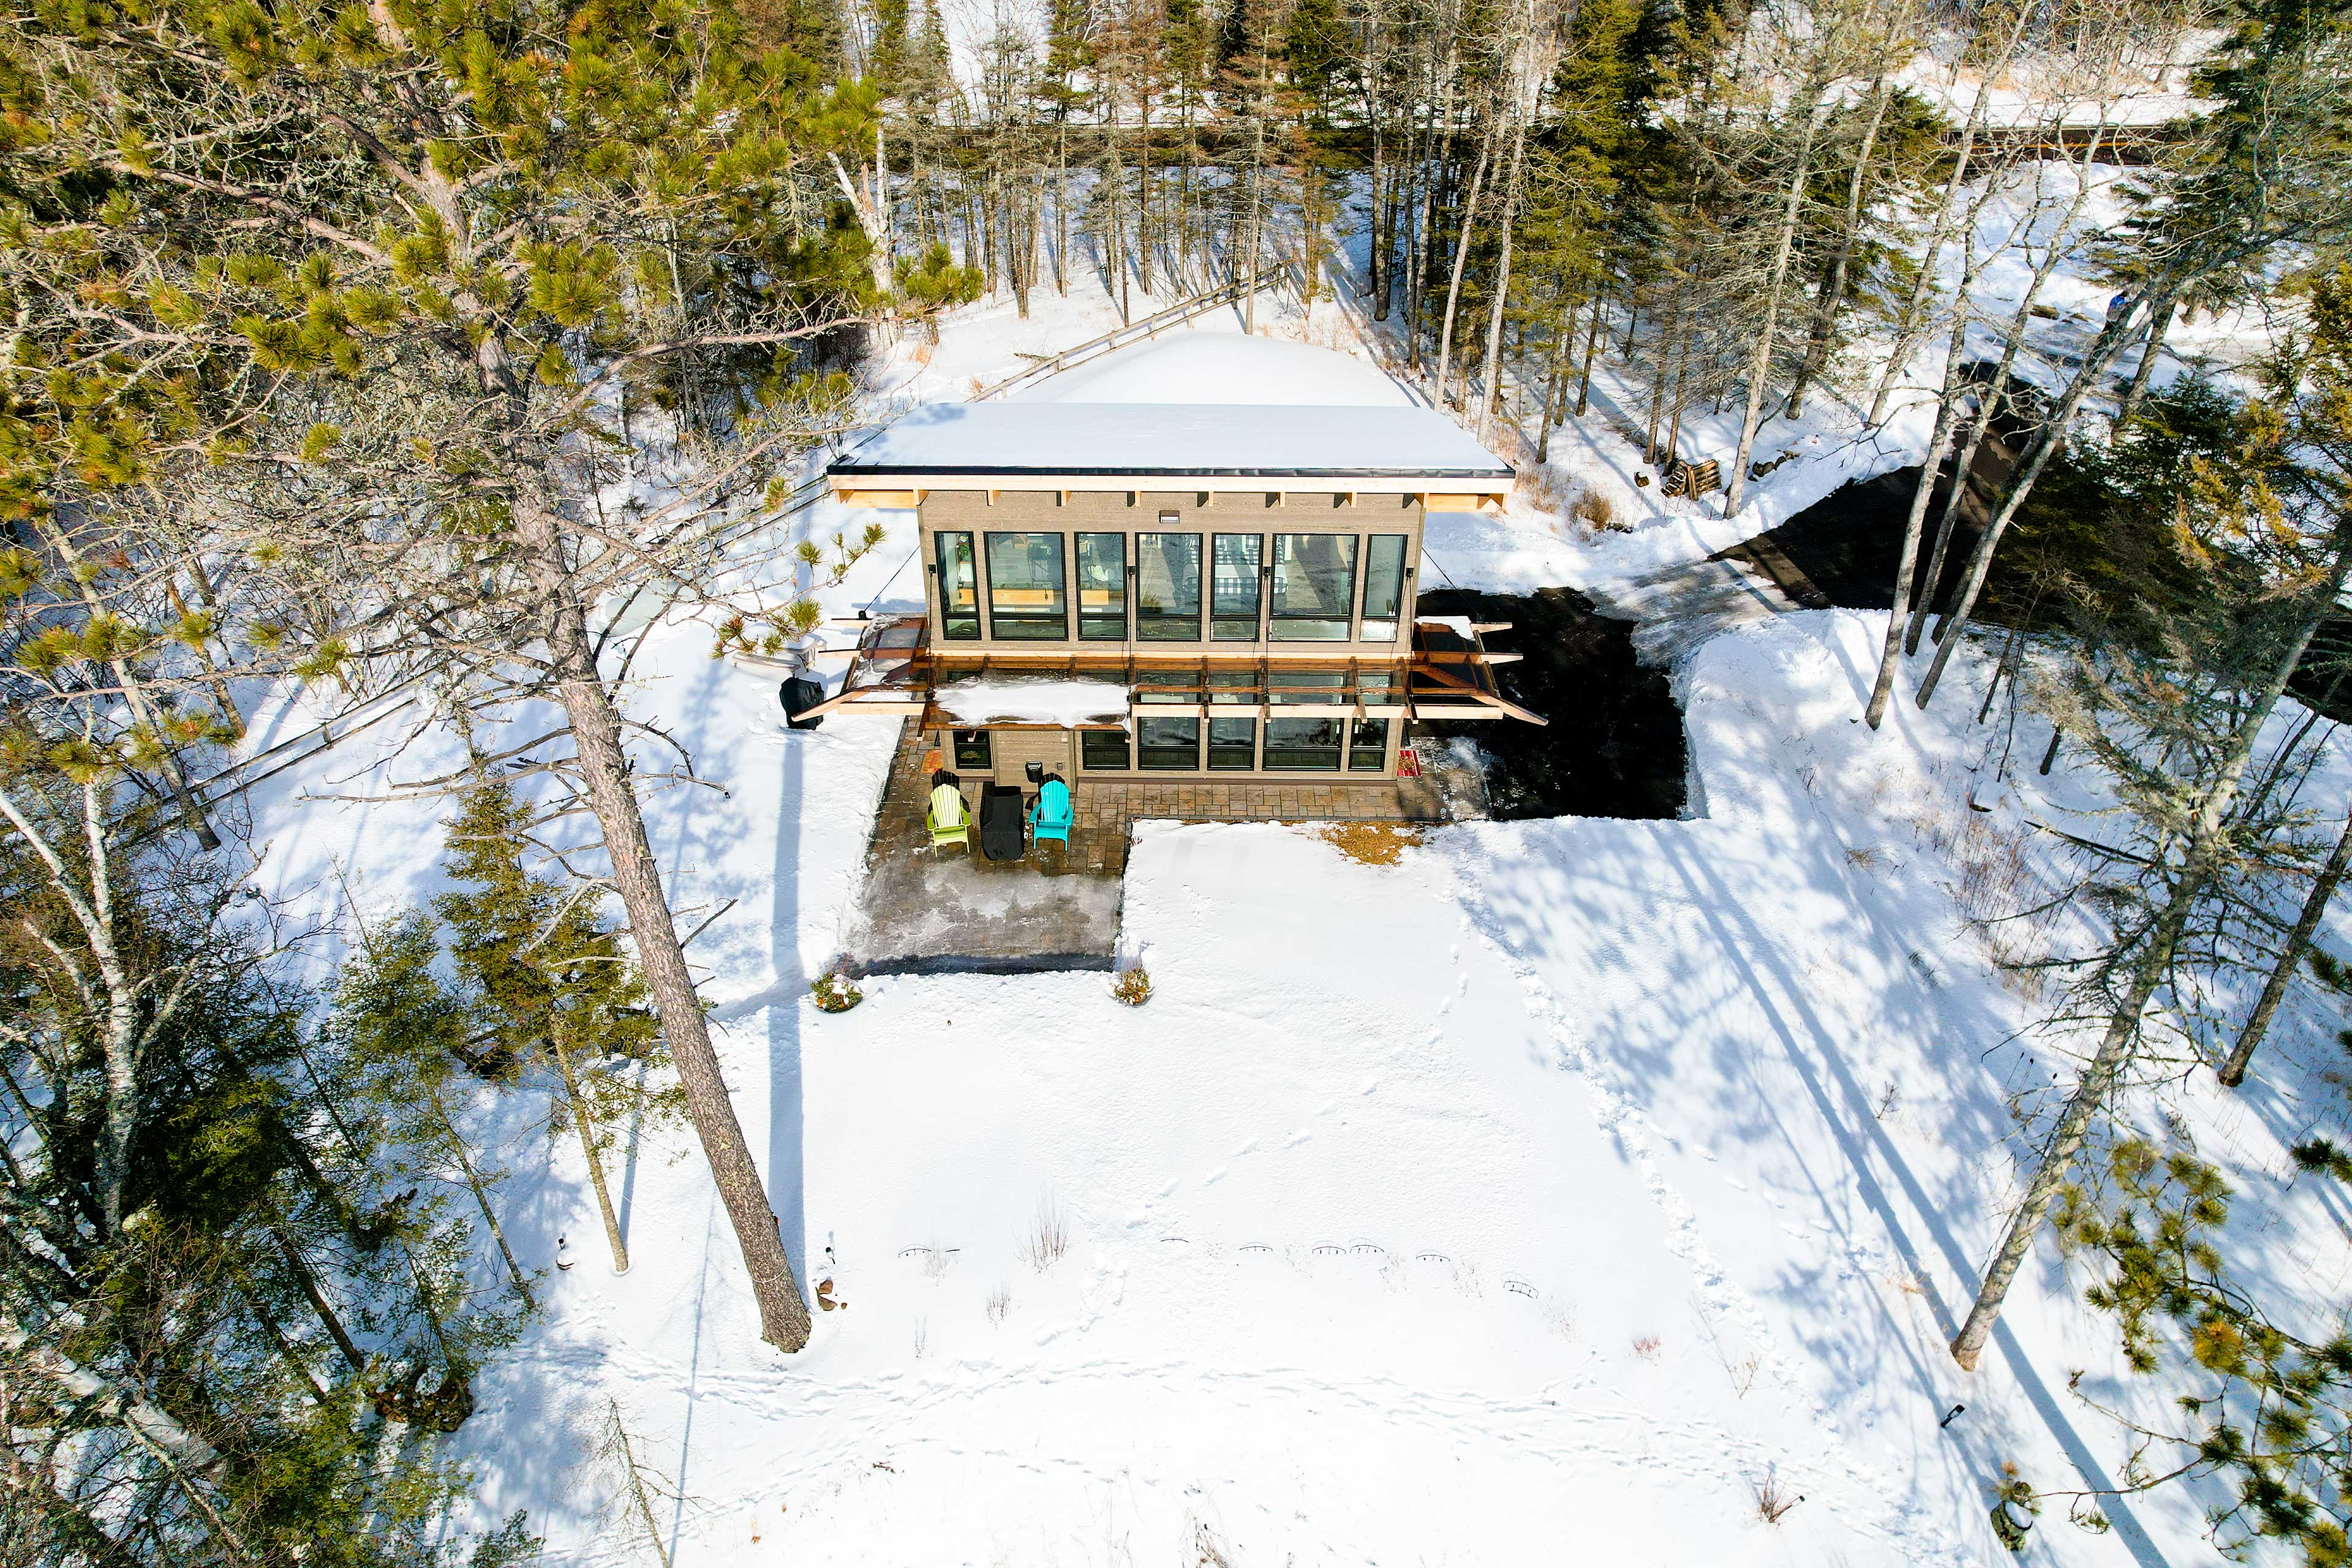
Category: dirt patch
[1371,842]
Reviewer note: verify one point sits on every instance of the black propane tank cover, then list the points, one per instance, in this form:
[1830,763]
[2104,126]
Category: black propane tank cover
[799,695]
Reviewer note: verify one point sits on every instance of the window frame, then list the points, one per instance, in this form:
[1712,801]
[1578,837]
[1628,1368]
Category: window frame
[1142,765]
[1172,526]
[1393,618]
[1126,595]
[1283,626]
[1337,749]
[988,577]
[948,618]
[1260,583]
[1086,764]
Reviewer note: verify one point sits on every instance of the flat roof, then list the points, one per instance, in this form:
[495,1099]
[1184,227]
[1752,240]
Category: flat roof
[1173,440]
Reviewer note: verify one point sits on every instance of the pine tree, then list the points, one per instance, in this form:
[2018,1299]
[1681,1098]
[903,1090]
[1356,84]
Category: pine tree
[231,1330]
[539,961]
[359,254]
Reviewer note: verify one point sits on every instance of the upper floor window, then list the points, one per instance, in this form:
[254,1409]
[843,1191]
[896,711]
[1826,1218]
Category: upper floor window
[1234,562]
[1314,587]
[1383,585]
[1102,586]
[1026,599]
[958,586]
[1168,586]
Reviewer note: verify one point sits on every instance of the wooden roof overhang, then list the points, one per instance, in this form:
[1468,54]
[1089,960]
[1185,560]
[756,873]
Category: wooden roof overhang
[1446,677]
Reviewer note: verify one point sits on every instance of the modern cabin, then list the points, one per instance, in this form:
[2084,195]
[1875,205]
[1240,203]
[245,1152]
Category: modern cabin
[1122,591]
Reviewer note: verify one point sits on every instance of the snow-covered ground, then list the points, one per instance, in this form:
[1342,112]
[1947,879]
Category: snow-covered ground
[1559,1186]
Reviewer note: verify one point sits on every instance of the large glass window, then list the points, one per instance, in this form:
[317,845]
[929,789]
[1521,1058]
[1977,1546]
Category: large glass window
[1383,585]
[1102,751]
[1168,742]
[1285,685]
[958,586]
[1102,587]
[1234,560]
[972,749]
[1314,587]
[1168,588]
[1368,745]
[1233,743]
[1303,745]
[1233,686]
[1026,600]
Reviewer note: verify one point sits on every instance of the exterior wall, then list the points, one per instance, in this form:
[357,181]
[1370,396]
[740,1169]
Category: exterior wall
[1259,512]
[1060,751]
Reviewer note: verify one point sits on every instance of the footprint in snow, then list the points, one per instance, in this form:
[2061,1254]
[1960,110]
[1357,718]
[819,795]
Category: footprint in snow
[1214,1177]
[1370,1084]
[1170,1185]
[1295,1139]
[1248,1148]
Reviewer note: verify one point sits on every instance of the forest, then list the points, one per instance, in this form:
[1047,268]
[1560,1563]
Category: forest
[335,331]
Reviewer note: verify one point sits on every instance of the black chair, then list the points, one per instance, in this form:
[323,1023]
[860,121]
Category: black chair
[1003,830]
[799,695]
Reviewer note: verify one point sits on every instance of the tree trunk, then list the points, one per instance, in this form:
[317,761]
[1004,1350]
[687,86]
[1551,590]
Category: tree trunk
[1760,364]
[2158,326]
[1258,164]
[1591,344]
[2146,972]
[604,768]
[2298,943]
[1817,349]
[1909,325]
[1510,215]
[1461,260]
[2053,436]
[481,1196]
[577,1104]
[1898,614]
[1995,386]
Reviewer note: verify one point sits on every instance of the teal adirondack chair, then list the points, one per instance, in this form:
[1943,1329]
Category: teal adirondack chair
[1050,816]
[949,821]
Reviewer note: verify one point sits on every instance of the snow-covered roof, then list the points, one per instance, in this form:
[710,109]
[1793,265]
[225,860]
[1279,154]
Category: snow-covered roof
[1147,440]
[1207,405]
[1224,368]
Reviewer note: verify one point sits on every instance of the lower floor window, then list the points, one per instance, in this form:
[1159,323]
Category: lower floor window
[1233,743]
[972,749]
[1103,750]
[1171,743]
[1368,745]
[1302,745]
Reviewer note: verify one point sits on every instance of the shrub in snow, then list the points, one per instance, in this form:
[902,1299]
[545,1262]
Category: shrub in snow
[1133,986]
[1595,509]
[836,993]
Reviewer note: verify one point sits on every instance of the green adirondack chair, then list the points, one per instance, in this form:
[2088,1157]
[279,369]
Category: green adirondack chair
[949,821]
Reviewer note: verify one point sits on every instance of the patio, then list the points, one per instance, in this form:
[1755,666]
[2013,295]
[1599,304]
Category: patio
[926,909]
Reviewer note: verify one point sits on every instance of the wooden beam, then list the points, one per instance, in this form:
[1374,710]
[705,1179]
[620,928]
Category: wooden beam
[1513,709]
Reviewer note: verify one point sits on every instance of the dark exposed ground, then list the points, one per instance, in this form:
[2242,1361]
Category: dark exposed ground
[1846,544]
[1614,746]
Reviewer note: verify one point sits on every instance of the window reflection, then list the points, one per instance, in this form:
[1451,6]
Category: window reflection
[1314,587]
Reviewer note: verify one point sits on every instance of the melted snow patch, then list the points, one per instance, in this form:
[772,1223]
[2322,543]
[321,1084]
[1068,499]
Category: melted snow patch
[1034,701]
